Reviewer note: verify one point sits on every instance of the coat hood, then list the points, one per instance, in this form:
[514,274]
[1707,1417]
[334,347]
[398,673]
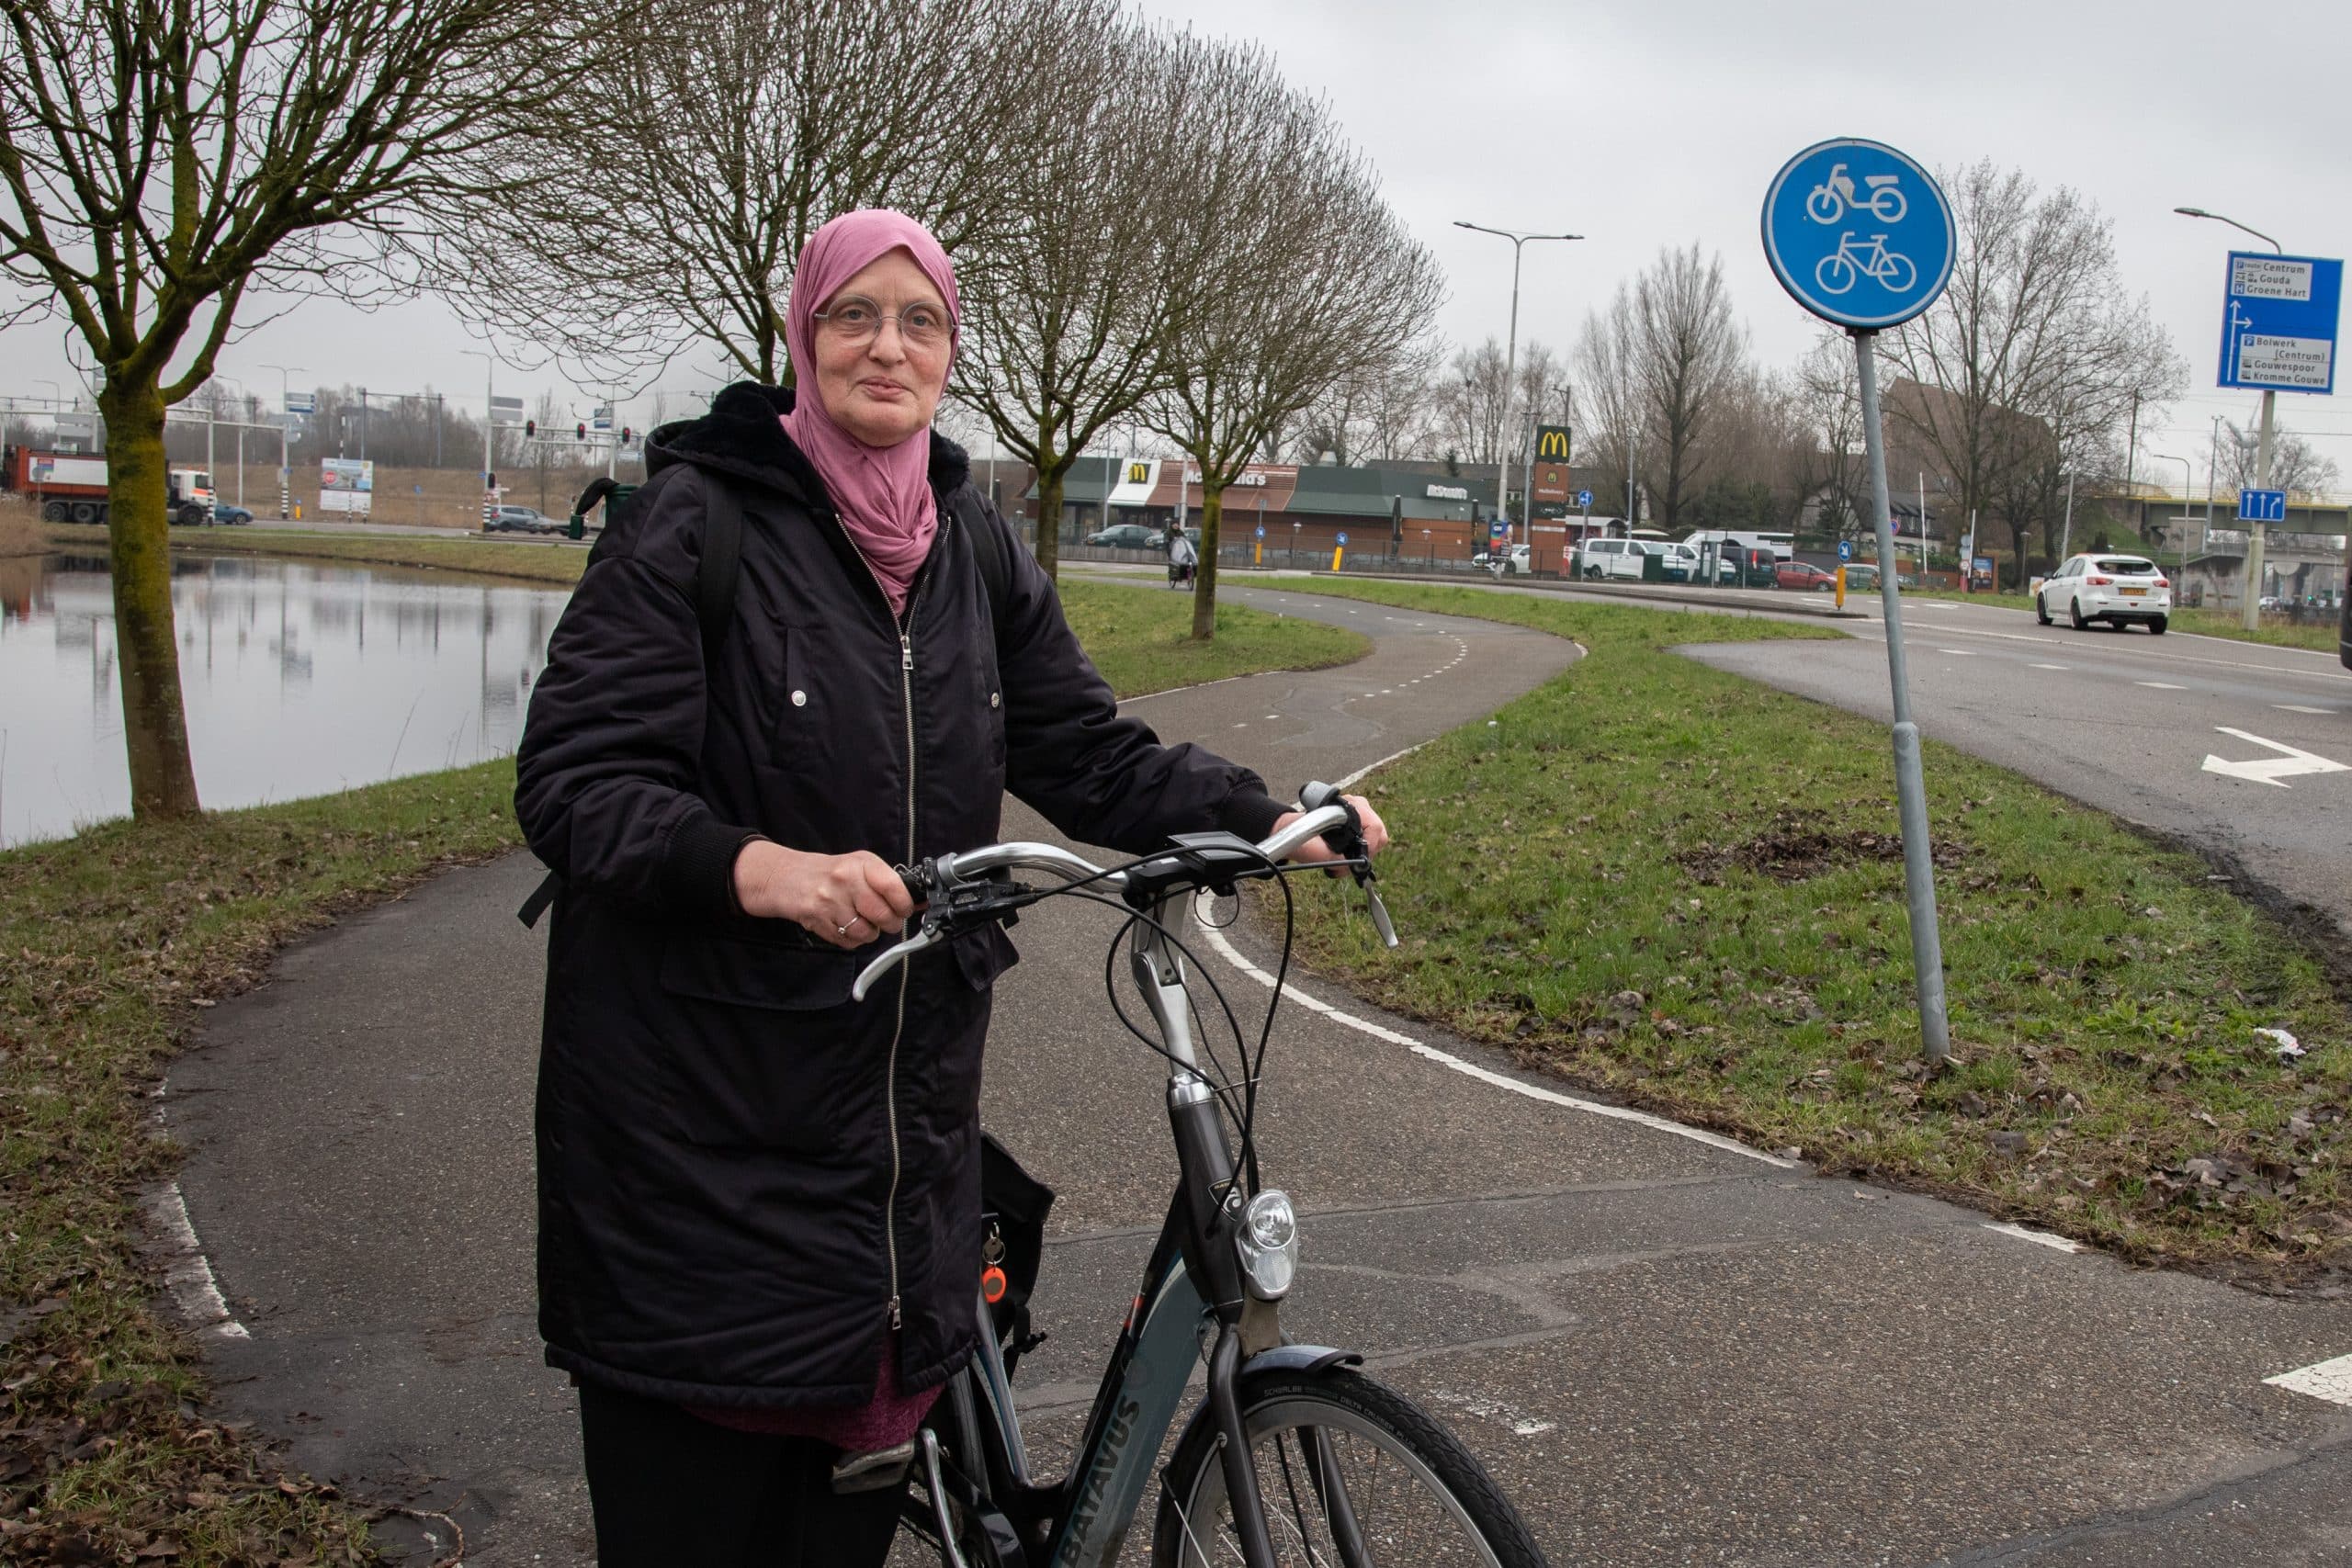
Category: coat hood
[743,435]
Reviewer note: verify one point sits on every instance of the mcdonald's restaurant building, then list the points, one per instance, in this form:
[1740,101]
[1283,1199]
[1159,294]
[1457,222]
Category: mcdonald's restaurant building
[1288,509]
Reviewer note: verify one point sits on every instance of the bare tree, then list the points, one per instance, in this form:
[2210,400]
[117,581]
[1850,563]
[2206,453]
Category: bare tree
[2029,362]
[1687,351]
[2296,466]
[1382,415]
[1303,280]
[164,162]
[1068,314]
[726,132]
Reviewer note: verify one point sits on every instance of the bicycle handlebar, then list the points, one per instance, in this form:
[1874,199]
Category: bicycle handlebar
[952,883]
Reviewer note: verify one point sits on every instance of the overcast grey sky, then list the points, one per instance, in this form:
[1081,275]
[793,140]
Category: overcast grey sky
[1640,125]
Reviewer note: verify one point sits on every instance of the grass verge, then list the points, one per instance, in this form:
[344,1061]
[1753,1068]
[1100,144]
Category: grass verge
[1686,889]
[2275,631]
[114,941]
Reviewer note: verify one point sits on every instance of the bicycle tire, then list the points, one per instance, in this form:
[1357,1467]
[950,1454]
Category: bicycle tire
[1836,265]
[1824,205]
[1895,260]
[1463,1516]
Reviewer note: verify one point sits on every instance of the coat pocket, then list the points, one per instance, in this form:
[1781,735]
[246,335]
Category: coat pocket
[764,1038]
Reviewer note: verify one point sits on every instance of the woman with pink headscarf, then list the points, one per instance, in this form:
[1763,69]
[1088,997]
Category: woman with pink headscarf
[758,1208]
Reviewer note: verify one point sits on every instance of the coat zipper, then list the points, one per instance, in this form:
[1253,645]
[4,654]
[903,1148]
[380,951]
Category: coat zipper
[899,1024]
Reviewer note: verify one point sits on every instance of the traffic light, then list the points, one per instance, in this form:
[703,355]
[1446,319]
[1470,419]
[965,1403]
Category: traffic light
[490,481]
[625,434]
[530,430]
[580,431]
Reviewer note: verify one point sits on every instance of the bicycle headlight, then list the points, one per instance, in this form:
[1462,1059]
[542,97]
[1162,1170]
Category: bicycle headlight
[1268,1242]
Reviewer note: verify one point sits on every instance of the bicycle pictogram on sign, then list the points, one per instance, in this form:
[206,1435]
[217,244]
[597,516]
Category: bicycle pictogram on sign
[1858,233]
[1841,269]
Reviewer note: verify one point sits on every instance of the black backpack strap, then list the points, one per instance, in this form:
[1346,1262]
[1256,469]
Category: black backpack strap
[722,561]
[989,545]
[715,581]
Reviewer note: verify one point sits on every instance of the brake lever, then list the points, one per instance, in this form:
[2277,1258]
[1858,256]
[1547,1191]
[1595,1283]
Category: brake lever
[1355,852]
[891,958]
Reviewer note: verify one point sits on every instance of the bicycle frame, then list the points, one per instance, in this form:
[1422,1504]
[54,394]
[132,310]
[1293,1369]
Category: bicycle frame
[1192,1287]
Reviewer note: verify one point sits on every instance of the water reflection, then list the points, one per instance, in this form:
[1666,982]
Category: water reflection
[301,678]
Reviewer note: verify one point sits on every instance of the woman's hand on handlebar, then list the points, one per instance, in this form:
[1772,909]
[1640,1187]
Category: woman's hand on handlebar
[846,901]
[1375,831]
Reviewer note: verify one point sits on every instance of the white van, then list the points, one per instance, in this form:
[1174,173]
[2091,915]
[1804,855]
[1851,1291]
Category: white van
[1782,546]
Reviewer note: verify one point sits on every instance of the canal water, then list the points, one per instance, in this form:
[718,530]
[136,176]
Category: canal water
[301,678]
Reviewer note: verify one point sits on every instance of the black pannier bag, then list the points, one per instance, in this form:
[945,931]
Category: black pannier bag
[1014,1204]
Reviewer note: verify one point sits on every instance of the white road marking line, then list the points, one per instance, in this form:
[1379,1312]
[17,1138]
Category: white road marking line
[2040,1238]
[2160,685]
[1232,955]
[2331,1380]
[2167,656]
[2298,707]
[1961,653]
[2270,769]
[2046,667]
[188,1275]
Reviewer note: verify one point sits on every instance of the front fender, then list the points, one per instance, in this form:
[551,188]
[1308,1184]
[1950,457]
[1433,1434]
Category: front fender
[1281,1358]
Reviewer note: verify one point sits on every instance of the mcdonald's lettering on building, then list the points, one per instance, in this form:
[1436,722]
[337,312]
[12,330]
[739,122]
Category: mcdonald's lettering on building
[1552,442]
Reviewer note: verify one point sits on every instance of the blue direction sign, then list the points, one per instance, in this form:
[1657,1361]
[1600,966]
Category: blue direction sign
[1343,538]
[1583,499]
[1262,530]
[1858,233]
[1845,549]
[2262,506]
[2278,316]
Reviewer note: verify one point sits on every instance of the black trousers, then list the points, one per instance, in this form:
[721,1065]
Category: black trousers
[671,1490]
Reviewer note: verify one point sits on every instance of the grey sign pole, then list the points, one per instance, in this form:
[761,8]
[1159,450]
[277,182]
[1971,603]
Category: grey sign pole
[1910,784]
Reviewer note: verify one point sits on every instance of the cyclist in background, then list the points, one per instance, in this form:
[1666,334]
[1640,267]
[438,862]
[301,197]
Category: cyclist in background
[1181,555]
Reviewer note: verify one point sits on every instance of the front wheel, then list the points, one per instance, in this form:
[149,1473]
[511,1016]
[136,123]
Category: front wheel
[1352,1473]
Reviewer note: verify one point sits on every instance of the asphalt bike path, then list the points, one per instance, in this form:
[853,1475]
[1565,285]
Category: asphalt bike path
[1669,1351]
[2125,722]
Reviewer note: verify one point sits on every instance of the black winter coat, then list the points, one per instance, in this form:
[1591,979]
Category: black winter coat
[743,1175]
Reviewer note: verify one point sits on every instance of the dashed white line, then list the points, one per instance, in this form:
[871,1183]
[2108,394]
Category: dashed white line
[2298,707]
[2040,1238]
[188,1275]
[2331,1380]
[2047,667]
[1959,652]
[2160,685]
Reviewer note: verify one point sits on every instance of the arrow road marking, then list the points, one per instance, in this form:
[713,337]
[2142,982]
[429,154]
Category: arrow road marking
[2270,769]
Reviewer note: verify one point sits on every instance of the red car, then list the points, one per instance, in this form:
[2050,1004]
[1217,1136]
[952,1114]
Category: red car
[1803,575]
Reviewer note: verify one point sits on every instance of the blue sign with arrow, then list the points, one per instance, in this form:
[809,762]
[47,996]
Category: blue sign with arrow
[1858,234]
[2278,321]
[1343,539]
[1845,549]
[1583,499]
[2262,506]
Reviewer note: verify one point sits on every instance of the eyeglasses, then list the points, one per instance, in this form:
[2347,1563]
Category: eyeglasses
[857,320]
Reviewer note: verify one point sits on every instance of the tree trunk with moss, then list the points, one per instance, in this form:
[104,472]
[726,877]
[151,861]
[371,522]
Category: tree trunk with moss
[1204,578]
[1053,467]
[163,778]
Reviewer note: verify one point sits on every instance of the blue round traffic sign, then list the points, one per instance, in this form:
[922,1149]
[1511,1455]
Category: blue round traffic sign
[1584,498]
[1262,530]
[1859,234]
[1845,549]
[1343,538]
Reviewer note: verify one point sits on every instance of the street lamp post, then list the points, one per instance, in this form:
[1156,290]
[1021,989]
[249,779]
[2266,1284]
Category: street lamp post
[1510,357]
[285,432]
[2249,613]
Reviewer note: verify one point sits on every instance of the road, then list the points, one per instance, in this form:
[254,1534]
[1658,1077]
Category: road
[2123,721]
[1670,1351]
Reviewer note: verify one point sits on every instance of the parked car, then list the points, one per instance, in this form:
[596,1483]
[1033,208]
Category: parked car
[1682,563]
[2117,589]
[519,520]
[1597,558]
[1803,576]
[228,515]
[1129,536]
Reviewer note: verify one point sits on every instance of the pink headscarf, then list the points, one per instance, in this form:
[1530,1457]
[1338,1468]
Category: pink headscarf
[882,492]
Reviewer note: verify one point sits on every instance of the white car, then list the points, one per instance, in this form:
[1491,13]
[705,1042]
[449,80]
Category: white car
[1612,557]
[2117,589]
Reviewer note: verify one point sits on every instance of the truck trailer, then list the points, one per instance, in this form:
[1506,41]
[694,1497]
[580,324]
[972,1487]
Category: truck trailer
[71,488]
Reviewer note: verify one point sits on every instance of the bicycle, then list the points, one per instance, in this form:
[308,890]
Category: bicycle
[1293,1455]
[1849,264]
